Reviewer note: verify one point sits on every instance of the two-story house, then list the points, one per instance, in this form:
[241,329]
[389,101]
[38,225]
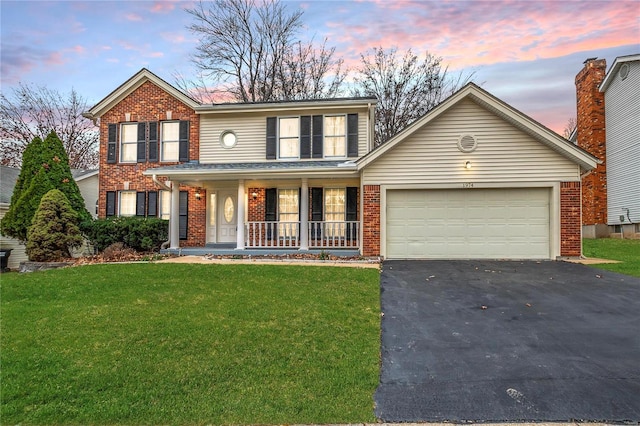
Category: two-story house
[474,178]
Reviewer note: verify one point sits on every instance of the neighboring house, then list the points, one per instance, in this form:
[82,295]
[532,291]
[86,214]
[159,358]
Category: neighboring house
[87,181]
[474,178]
[608,127]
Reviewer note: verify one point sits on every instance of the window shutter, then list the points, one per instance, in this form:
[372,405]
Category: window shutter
[184,214]
[305,136]
[112,143]
[141,199]
[316,212]
[111,203]
[271,138]
[318,141]
[352,212]
[271,210]
[184,141]
[352,135]
[152,203]
[153,141]
[142,142]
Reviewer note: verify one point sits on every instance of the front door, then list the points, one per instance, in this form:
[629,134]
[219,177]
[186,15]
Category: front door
[227,216]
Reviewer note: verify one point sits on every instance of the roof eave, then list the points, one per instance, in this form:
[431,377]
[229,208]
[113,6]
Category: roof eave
[280,106]
[614,69]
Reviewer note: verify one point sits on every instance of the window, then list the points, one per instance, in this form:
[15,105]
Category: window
[128,142]
[335,137]
[289,137]
[288,212]
[127,204]
[334,211]
[165,205]
[170,145]
[228,139]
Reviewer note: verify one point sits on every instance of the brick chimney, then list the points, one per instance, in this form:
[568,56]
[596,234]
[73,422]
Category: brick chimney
[591,137]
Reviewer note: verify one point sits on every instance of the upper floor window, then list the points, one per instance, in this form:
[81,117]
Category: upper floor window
[289,137]
[335,136]
[128,142]
[170,142]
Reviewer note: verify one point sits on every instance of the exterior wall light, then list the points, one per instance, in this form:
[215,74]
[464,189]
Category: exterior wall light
[198,194]
[254,195]
[467,165]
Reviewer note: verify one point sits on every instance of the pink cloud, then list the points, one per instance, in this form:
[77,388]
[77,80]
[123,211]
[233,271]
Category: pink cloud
[134,17]
[54,58]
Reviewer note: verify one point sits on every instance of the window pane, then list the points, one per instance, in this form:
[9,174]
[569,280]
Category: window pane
[128,142]
[170,141]
[127,203]
[129,132]
[170,151]
[165,204]
[335,136]
[334,211]
[288,212]
[289,127]
[129,152]
[289,148]
[289,135]
[170,131]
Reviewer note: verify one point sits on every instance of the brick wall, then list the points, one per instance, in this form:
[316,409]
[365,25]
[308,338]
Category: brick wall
[591,137]
[371,221]
[570,229]
[150,103]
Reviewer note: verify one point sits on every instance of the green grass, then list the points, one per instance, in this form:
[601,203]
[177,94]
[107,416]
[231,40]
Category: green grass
[189,344]
[626,251]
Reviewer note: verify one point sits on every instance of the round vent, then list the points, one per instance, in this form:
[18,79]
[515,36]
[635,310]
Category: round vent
[624,71]
[467,143]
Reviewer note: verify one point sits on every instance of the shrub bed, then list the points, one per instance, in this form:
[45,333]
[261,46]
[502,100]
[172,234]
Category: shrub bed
[139,234]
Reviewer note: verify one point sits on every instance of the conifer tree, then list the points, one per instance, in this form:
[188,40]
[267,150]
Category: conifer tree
[54,229]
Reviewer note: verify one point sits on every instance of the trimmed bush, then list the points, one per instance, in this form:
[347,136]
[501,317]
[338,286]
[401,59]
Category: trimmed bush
[54,230]
[139,234]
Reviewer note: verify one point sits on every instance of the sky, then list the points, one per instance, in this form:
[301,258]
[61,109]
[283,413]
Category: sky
[525,52]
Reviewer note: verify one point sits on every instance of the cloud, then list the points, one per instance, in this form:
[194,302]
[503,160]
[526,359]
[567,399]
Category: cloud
[133,17]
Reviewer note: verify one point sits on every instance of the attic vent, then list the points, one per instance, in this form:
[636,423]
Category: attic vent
[624,71]
[467,143]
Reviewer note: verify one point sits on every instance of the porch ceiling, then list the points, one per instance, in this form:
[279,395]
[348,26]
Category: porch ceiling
[273,170]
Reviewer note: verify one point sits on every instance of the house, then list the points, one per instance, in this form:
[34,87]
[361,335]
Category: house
[87,181]
[608,127]
[474,178]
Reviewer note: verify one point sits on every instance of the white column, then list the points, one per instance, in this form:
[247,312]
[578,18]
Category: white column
[304,215]
[240,216]
[174,217]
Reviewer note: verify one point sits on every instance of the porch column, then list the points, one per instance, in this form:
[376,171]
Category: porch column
[240,216]
[304,215]
[174,217]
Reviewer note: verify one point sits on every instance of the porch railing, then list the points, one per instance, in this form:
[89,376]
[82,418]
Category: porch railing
[287,234]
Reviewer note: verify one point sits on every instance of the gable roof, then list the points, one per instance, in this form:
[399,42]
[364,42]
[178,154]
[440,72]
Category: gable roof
[501,109]
[615,67]
[132,84]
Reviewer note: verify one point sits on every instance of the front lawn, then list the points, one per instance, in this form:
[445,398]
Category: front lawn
[189,344]
[626,251]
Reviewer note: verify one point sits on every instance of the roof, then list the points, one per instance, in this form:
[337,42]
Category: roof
[496,106]
[8,179]
[615,67]
[126,88]
[272,106]
[79,174]
[196,171]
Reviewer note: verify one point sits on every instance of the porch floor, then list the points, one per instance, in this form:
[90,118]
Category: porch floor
[230,250]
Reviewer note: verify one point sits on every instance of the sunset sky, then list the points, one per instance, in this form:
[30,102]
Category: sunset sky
[525,52]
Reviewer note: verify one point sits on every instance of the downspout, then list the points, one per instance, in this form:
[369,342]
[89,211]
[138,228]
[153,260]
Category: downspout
[165,187]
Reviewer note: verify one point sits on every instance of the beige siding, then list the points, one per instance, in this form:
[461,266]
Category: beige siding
[250,129]
[17,254]
[504,154]
[89,190]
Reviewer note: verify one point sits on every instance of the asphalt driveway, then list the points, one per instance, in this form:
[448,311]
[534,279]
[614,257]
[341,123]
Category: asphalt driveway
[508,341]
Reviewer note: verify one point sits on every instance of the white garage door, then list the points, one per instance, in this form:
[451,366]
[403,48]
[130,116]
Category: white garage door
[468,224]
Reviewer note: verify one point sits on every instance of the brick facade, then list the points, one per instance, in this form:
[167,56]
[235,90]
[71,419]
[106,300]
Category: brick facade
[591,137]
[371,220]
[570,229]
[150,103]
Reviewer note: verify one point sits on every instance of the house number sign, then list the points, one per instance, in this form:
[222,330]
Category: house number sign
[467,185]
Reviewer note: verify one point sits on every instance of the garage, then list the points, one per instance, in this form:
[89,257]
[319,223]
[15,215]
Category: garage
[504,223]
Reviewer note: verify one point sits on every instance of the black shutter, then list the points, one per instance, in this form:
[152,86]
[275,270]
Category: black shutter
[112,143]
[111,203]
[318,141]
[271,210]
[271,138]
[141,201]
[305,136]
[152,204]
[352,135]
[153,141]
[142,142]
[352,212]
[184,214]
[316,212]
[184,141]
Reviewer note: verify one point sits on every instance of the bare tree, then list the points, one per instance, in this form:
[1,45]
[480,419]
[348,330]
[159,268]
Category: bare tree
[569,127]
[407,87]
[250,50]
[34,111]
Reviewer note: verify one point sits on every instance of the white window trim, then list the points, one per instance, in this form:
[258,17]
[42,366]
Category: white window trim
[325,135]
[162,142]
[134,143]
[279,139]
